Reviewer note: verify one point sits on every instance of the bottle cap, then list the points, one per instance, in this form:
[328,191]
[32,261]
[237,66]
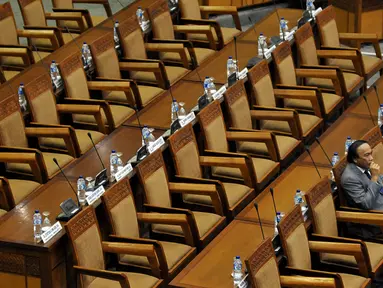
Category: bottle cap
[84,42]
[37,211]
[278,213]
[174,100]
[53,61]
[298,191]
[21,84]
[145,126]
[116,21]
[381,105]
[282,18]
[237,257]
[113,151]
[81,176]
[207,77]
[230,57]
[139,7]
[335,153]
[348,137]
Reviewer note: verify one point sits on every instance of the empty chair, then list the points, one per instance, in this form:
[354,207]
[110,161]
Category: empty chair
[331,39]
[108,67]
[89,263]
[163,30]
[157,193]
[172,257]
[77,90]
[14,139]
[134,48]
[330,103]
[297,248]
[263,272]
[193,13]
[241,119]
[273,115]
[350,82]
[217,141]
[188,167]
[45,112]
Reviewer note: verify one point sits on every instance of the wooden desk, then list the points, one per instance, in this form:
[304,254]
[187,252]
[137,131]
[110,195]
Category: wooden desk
[213,266]
[334,138]
[297,176]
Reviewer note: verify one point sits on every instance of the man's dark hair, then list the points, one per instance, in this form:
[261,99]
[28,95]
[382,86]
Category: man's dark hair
[352,150]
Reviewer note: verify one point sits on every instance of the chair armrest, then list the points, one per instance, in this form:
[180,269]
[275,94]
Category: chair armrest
[212,23]
[128,248]
[199,189]
[352,209]
[265,137]
[169,219]
[83,12]
[104,3]
[360,217]
[65,133]
[343,53]
[73,16]
[115,276]
[353,249]
[233,160]
[313,273]
[17,51]
[170,47]
[362,37]
[156,67]
[197,29]
[231,10]
[300,281]
[121,85]
[44,34]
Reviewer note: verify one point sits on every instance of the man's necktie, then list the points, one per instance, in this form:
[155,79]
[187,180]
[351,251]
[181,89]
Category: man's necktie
[367,174]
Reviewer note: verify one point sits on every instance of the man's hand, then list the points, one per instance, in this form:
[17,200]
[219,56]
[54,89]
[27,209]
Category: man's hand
[375,171]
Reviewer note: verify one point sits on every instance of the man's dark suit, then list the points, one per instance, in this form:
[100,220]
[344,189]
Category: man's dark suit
[362,193]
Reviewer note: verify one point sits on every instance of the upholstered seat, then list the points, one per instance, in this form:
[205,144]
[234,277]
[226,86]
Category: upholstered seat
[351,80]
[82,137]
[369,62]
[285,145]
[174,73]
[73,25]
[201,54]
[62,159]
[135,281]
[17,61]
[9,74]
[22,188]
[227,34]
[46,43]
[352,281]
[147,93]
[2,212]
[205,222]
[329,101]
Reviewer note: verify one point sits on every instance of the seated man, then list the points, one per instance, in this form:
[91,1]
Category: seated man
[362,184]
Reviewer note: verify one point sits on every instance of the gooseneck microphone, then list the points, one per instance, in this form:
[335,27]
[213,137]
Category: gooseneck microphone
[94,146]
[272,197]
[312,160]
[259,218]
[320,145]
[236,57]
[369,110]
[62,172]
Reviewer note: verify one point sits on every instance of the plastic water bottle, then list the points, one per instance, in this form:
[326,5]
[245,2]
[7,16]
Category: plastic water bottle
[261,45]
[81,189]
[334,160]
[283,28]
[120,164]
[300,200]
[37,222]
[147,136]
[347,144]
[212,88]
[237,270]
[140,15]
[380,115]
[116,38]
[22,100]
[175,109]
[86,55]
[54,71]
[113,159]
[310,7]
[230,66]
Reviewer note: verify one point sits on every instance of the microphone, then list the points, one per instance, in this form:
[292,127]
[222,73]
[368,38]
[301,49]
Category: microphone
[203,100]
[176,123]
[259,218]
[276,239]
[101,177]
[62,172]
[320,145]
[254,60]
[312,160]
[143,151]
[236,57]
[272,197]
[377,95]
[369,110]
[94,146]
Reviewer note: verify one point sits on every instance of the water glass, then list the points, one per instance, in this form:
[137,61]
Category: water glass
[89,186]
[46,223]
[182,112]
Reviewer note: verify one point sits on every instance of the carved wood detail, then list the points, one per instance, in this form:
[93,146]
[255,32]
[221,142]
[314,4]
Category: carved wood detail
[33,266]
[209,114]
[317,193]
[83,222]
[181,138]
[38,86]
[373,137]
[117,193]
[235,92]
[70,65]
[281,52]
[339,168]
[12,263]
[151,164]
[102,44]
[258,72]
[261,256]
[128,26]
[291,221]
[8,106]
[325,16]
[303,33]
[5,11]
[158,8]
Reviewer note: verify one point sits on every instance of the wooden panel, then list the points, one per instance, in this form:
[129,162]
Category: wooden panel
[34,282]
[342,20]
[372,22]
[9,280]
